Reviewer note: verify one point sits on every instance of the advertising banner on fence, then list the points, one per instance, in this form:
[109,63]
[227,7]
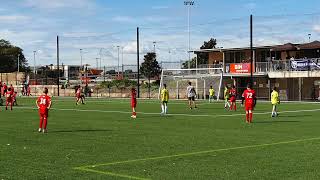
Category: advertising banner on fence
[240,68]
[304,64]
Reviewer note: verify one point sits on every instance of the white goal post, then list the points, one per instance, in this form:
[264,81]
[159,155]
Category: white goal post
[201,78]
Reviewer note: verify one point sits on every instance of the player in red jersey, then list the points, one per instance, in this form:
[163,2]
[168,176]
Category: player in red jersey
[79,97]
[233,98]
[9,98]
[249,96]
[28,90]
[133,102]
[43,104]
[1,89]
[4,89]
[12,89]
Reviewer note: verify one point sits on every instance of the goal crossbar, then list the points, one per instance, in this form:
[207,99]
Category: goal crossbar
[201,74]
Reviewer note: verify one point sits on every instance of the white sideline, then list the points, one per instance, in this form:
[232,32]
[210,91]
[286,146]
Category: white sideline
[203,102]
[188,115]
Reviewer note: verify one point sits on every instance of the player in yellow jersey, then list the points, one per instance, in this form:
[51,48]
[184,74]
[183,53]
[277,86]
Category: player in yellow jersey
[211,94]
[226,97]
[164,99]
[274,101]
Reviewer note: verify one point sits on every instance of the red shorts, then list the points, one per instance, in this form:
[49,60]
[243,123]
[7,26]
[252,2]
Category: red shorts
[233,99]
[133,104]
[9,100]
[249,107]
[43,113]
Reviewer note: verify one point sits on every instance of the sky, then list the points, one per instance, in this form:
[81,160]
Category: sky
[99,26]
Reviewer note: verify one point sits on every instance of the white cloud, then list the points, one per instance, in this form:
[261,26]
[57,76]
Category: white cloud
[56,4]
[81,34]
[156,18]
[250,6]
[123,19]
[13,18]
[159,7]
[316,28]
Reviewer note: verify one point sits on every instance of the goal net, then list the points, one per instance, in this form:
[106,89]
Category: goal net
[201,78]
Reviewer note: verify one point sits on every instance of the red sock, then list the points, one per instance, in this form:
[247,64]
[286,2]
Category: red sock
[134,113]
[250,117]
[235,107]
[231,106]
[247,117]
[41,121]
[45,121]
[11,105]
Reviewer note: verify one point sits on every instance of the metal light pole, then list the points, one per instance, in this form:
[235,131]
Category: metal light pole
[309,35]
[17,69]
[154,46]
[34,62]
[100,53]
[18,62]
[80,59]
[122,58]
[118,59]
[189,4]
[97,61]
[251,50]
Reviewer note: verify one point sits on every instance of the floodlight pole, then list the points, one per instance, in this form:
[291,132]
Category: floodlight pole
[138,66]
[34,62]
[97,61]
[309,35]
[122,59]
[189,4]
[18,63]
[154,46]
[58,68]
[100,53]
[251,51]
[80,59]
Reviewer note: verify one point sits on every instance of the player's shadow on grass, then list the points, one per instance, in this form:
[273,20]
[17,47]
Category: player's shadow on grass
[81,130]
[294,116]
[274,121]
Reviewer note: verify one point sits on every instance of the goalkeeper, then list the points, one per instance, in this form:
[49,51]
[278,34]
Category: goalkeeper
[164,99]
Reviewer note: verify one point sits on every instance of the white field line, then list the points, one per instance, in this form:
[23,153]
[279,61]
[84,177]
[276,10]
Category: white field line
[184,102]
[173,101]
[188,115]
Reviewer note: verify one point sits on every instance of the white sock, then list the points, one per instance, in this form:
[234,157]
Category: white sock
[165,109]
[162,108]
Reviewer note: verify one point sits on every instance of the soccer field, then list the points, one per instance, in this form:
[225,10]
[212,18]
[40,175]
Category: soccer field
[99,140]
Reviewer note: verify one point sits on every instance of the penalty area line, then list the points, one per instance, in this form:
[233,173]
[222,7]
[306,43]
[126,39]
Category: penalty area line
[174,114]
[199,152]
[109,173]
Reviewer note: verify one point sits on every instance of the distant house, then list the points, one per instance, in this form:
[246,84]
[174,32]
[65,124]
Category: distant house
[293,68]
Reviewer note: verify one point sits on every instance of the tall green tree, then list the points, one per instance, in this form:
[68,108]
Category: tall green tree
[150,67]
[202,57]
[193,61]
[9,58]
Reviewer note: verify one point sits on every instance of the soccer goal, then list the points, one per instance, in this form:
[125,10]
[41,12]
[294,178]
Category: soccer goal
[201,78]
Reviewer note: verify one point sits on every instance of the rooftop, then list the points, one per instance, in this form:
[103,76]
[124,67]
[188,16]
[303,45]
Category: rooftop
[281,47]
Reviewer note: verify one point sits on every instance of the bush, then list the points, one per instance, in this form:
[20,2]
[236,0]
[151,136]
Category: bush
[118,83]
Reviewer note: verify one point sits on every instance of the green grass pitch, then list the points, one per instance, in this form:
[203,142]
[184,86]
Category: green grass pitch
[99,140]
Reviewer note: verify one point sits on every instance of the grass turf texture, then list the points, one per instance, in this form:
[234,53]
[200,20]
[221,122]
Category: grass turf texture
[103,142]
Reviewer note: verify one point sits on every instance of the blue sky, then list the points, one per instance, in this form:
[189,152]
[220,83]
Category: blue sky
[95,24]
